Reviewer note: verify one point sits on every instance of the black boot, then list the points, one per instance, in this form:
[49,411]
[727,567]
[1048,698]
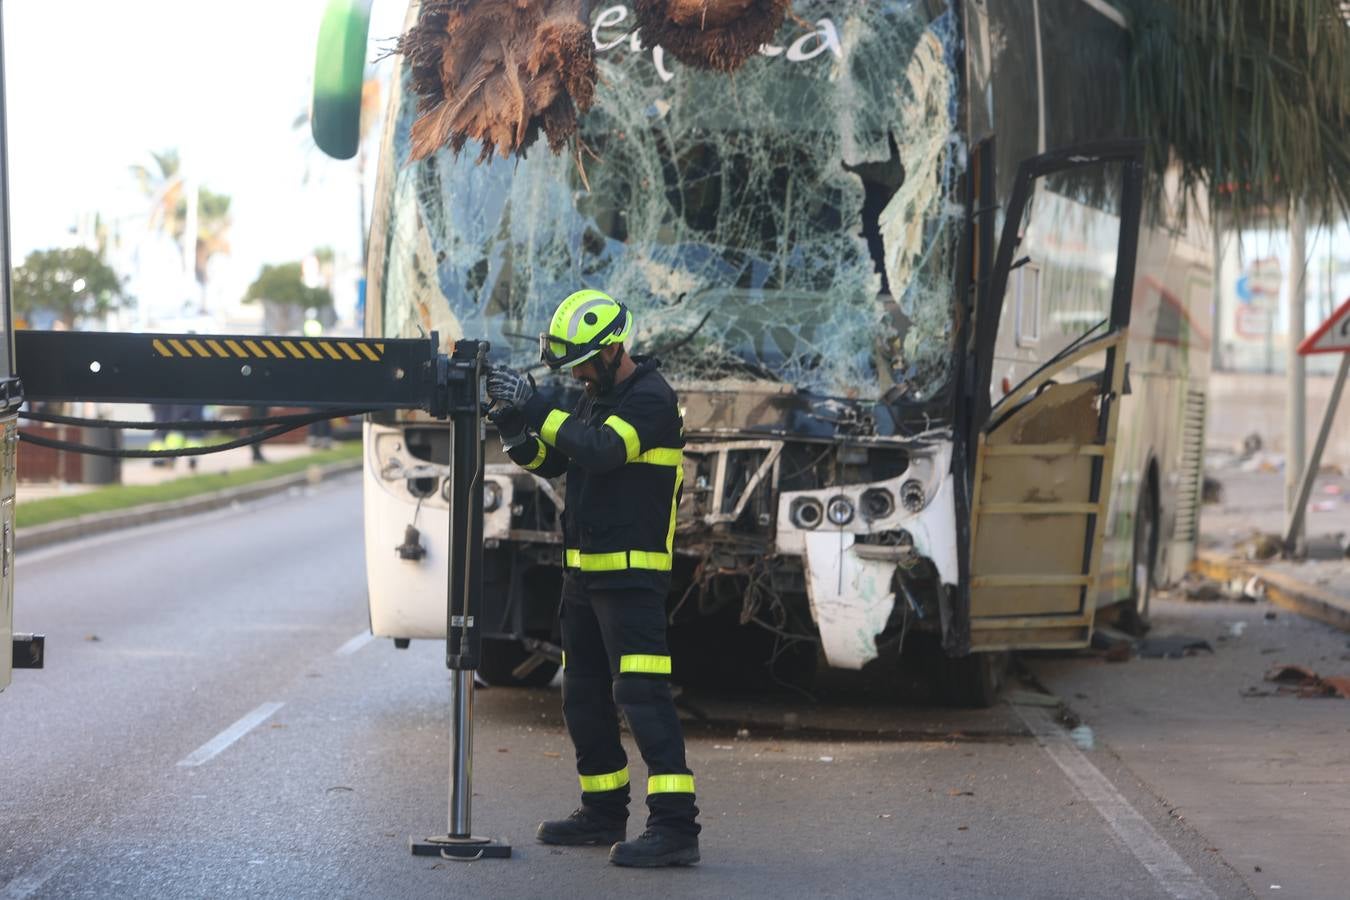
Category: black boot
[582,828]
[656,848]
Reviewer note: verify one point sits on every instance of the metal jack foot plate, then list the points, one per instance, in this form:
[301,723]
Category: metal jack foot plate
[468,849]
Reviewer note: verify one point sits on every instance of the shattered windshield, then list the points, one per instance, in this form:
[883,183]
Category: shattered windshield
[792,223]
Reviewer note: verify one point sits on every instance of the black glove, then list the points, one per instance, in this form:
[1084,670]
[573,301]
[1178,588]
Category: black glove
[506,385]
[510,422]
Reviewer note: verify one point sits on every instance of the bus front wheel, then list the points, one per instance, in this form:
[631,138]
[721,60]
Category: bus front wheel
[974,680]
[1144,558]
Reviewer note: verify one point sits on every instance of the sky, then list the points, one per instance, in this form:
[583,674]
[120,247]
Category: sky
[94,86]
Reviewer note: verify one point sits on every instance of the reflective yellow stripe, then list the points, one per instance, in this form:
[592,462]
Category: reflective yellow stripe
[564,659]
[670,784]
[644,664]
[551,425]
[538,457]
[603,562]
[370,354]
[661,456]
[618,561]
[235,348]
[674,507]
[161,349]
[646,559]
[611,781]
[219,350]
[629,435]
[292,349]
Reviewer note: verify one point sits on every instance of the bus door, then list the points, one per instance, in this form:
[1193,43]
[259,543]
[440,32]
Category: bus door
[1044,441]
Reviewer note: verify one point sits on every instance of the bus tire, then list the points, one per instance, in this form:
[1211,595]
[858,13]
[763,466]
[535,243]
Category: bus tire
[501,657]
[1143,561]
[974,680]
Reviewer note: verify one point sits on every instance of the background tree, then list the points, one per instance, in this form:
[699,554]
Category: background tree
[285,296]
[164,185]
[70,284]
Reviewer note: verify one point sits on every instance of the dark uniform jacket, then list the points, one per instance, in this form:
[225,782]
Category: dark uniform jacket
[622,454]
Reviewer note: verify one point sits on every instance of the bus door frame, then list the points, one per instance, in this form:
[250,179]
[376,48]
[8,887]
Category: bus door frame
[979,421]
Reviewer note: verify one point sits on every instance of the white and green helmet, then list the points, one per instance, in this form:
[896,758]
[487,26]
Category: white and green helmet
[583,324]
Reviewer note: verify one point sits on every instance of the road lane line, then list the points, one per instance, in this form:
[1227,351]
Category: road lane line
[355,644]
[30,882]
[213,747]
[1134,831]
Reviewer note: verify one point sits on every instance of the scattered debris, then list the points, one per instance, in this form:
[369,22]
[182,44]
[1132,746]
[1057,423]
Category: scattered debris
[92,637]
[1304,682]
[723,747]
[1270,616]
[503,750]
[1235,629]
[1083,737]
[1174,646]
[743,733]
[341,788]
[957,792]
[886,816]
[551,755]
[827,759]
[962,827]
[1199,588]
[1261,546]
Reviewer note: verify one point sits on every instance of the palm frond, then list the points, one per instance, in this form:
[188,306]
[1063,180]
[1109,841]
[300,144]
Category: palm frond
[1250,98]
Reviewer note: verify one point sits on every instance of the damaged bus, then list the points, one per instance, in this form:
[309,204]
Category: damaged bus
[942,374]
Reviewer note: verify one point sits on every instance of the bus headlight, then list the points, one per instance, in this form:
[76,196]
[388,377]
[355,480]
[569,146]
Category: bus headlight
[492,496]
[912,495]
[877,503]
[840,510]
[806,512]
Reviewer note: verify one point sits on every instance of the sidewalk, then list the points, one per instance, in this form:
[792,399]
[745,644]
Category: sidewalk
[52,513]
[1235,543]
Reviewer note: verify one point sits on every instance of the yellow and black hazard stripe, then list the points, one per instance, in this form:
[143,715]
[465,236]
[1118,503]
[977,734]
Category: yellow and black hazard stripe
[268,348]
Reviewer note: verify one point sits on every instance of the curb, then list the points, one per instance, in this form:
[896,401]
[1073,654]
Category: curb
[99,523]
[1280,588]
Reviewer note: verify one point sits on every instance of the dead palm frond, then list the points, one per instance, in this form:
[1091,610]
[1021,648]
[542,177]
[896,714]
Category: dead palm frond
[498,72]
[710,34]
[1250,98]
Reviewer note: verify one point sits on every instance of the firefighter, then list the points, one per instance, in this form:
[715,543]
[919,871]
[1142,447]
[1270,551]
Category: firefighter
[621,449]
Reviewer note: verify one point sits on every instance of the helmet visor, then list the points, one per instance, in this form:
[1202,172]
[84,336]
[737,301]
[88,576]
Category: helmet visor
[559,352]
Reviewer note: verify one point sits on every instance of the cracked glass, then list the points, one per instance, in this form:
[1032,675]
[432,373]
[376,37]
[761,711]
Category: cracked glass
[794,222]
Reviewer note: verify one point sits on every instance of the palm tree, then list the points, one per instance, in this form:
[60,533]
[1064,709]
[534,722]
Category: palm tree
[167,190]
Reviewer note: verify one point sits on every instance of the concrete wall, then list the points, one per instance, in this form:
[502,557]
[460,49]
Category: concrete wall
[1242,404]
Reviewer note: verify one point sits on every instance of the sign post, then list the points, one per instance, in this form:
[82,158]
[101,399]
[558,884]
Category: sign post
[1333,336]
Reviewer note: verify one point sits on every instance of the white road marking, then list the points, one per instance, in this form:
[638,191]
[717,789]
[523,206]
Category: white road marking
[30,882]
[213,747]
[355,644]
[1134,831]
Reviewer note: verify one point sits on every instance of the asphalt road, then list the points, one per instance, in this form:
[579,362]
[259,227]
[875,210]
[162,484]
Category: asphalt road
[119,778]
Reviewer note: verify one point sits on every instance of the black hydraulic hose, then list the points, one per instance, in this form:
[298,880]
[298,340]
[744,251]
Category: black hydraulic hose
[157,454]
[305,418]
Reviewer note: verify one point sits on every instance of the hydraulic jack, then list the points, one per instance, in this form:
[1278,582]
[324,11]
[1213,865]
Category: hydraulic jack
[335,373]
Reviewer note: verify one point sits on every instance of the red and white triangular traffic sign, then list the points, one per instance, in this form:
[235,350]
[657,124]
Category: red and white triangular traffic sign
[1332,336]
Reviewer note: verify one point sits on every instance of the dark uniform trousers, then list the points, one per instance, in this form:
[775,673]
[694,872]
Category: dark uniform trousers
[617,660]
